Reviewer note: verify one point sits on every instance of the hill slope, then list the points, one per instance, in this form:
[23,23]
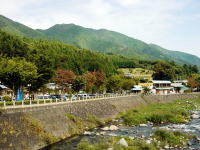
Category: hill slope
[17,28]
[101,40]
[113,42]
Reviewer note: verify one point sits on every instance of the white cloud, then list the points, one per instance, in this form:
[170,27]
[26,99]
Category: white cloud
[129,2]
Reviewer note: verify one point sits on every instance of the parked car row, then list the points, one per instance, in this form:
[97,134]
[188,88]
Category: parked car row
[66,97]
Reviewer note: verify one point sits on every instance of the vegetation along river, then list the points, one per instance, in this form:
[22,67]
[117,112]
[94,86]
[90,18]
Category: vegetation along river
[174,125]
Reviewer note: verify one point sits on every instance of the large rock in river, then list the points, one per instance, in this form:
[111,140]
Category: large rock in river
[123,142]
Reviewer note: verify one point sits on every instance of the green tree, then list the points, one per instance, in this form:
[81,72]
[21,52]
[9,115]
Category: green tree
[163,71]
[146,90]
[114,83]
[78,84]
[45,70]
[17,72]
[127,84]
[12,46]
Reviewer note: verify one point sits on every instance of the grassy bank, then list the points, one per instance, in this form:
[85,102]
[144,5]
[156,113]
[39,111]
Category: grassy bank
[162,138]
[112,142]
[79,125]
[172,112]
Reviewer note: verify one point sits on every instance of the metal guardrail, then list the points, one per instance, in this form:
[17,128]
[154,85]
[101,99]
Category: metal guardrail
[45,102]
[33,103]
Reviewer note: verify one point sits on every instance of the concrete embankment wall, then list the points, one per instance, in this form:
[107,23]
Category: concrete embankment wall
[35,127]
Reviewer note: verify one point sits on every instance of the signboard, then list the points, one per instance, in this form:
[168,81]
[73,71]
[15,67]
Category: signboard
[19,96]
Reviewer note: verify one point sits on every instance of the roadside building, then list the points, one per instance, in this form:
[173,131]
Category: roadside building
[183,82]
[137,89]
[178,87]
[162,87]
[5,91]
[2,89]
[149,85]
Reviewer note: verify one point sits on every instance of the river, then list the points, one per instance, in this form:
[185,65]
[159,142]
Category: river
[143,131]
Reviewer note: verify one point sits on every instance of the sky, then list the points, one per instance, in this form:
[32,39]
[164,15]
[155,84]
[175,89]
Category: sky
[172,24]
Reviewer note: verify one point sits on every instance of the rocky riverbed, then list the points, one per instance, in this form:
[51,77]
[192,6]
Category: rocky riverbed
[142,131]
[147,124]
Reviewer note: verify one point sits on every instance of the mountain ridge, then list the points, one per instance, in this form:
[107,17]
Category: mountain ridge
[101,40]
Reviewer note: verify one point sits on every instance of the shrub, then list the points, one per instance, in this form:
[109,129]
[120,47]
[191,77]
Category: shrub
[91,118]
[111,142]
[18,102]
[85,146]
[170,138]
[71,117]
[34,101]
[9,103]
[161,118]
[76,120]
[1,104]
[7,98]
[35,127]
[27,102]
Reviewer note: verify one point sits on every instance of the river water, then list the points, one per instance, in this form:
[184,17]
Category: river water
[136,132]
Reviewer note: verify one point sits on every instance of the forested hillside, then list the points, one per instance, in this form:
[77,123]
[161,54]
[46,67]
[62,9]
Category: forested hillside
[26,61]
[58,55]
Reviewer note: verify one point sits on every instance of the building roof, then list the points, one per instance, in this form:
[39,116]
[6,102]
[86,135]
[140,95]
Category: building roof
[164,88]
[146,84]
[2,86]
[161,82]
[177,85]
[137,88]
[181,81]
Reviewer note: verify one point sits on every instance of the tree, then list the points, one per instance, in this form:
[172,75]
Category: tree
[78,83]
[16,72]
[194,69]
[114,83]
[192,82]
[12,46]
[90,80]
[163,71]
[43,62]
[146,90]
[100,78]
[64,77]
[127,84]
